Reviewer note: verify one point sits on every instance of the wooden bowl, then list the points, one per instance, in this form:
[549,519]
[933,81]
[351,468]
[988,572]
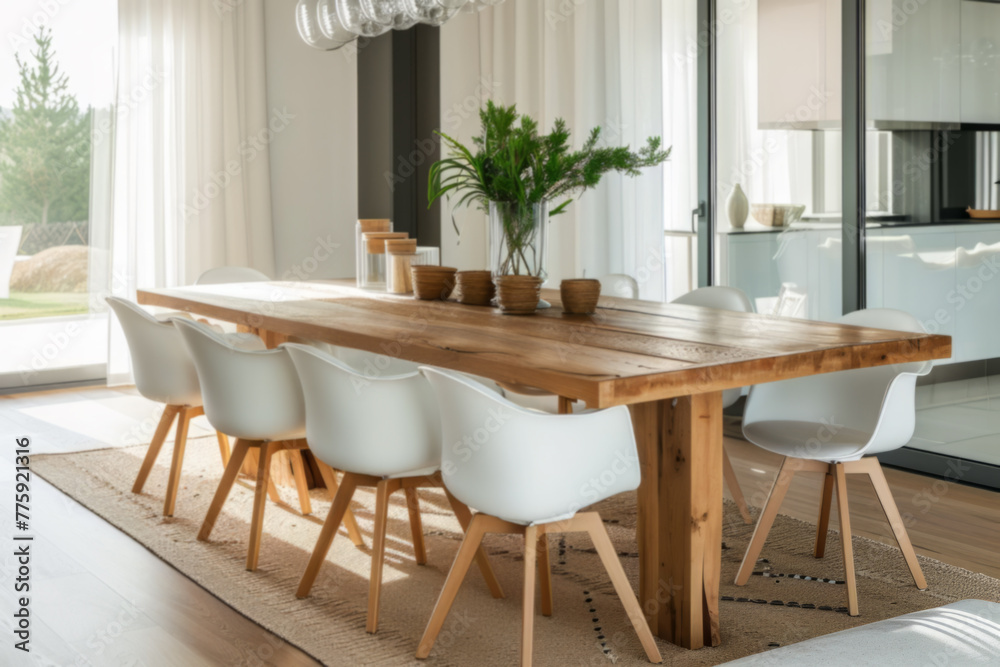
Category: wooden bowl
[579,296]
[518,295]
[432,282]
[982,214]
[777,215]
[475,288]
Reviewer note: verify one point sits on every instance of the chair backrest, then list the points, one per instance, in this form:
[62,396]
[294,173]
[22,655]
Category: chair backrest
[162,366]
[231,274]
[248,393]
[879,401]
[722,298]
[620,285]
[525,466]
[379,424]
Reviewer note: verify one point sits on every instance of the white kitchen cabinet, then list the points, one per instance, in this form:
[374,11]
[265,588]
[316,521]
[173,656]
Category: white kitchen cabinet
[913,68]
[798,51]
[980,62]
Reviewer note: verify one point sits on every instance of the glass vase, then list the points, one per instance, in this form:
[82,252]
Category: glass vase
[517,238]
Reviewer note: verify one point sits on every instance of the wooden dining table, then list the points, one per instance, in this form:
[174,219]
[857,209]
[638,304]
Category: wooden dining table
[668,363]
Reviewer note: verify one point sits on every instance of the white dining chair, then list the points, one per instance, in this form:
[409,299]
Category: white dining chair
[734,299]
[253,394]
[528,474]
[163,373]
[231,274]
[383,432]
[835,424]
[620,285]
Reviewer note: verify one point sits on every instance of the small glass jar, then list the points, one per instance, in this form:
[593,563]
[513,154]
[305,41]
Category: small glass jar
[400,254]
[364,226]
[373,262]
[427,256]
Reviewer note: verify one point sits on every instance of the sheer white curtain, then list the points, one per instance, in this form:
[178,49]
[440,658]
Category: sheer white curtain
[592,63]
[680,131]
[191,186]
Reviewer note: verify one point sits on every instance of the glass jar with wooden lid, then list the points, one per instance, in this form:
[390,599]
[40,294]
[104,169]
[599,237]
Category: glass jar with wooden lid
[400,255]
[366,225]
[373,262]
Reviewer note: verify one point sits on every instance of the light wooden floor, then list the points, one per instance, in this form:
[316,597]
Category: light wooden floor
[100,598]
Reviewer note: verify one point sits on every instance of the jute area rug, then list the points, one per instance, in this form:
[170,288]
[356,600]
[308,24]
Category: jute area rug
[588,626]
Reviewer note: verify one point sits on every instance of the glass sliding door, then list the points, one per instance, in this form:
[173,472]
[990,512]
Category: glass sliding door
[778,157]
[932,78]
[56,92]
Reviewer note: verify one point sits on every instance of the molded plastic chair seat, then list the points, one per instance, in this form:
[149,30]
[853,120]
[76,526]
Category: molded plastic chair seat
[791,438]
[163,373]
[833,424]
[528,473]
[382,430]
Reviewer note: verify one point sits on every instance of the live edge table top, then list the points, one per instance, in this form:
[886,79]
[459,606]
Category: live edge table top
[629,351]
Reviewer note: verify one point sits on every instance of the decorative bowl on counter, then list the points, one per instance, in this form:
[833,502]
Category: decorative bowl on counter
[982,214]
[777,215]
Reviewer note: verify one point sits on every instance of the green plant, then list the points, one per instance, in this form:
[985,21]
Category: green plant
[512,165]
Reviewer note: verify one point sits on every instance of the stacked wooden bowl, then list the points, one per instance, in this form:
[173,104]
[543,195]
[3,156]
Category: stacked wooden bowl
[579,296]
[475,288]
[433,282]
[518,295]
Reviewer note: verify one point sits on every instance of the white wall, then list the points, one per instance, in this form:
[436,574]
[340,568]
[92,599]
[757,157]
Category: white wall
[314,184]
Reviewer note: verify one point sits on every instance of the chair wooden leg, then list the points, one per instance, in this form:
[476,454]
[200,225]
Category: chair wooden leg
[606,550]
[301,483]
[338,509]
[733,484]
[840,485]
[223,447]
[166,421]
[384,489]
[229,476]
[565,405]
[259,502]
[174,480]
[528,599]
[544,573]
[766,520]
[888,503]
[416,526]
[349,522]
[464,517]
[466,553]
[823,523]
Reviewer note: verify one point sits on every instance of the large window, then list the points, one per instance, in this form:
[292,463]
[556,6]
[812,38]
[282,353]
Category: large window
[56,92]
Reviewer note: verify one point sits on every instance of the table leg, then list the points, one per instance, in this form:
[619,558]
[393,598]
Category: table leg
[680,516]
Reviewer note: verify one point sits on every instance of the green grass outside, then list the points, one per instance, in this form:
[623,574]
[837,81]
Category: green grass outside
[23,305]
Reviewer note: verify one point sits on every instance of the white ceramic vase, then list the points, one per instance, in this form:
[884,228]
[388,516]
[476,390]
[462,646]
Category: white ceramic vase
[737,207]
